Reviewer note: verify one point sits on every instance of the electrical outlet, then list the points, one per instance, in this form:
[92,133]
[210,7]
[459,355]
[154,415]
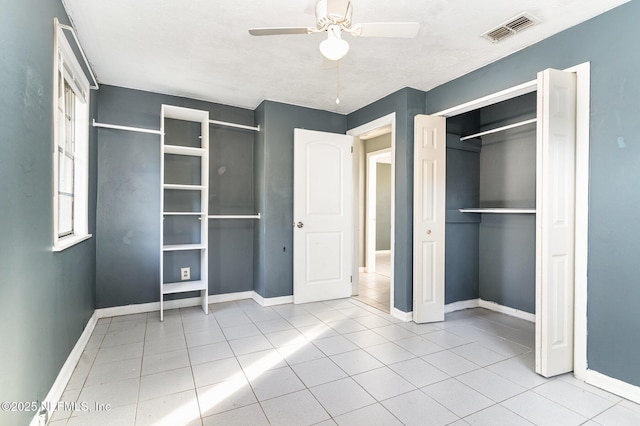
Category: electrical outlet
[185,273]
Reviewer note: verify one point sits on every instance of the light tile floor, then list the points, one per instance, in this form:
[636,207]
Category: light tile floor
[373,288]
[338,362]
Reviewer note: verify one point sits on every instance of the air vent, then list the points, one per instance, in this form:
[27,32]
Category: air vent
[512,26]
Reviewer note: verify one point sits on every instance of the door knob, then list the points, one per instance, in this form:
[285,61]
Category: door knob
[428,231]
[299,224]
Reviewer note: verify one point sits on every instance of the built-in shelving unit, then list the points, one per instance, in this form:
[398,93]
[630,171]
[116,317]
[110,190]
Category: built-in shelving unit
[184,175]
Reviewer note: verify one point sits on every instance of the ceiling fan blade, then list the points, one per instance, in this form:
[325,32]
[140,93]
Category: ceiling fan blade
[278,31]
[387,29]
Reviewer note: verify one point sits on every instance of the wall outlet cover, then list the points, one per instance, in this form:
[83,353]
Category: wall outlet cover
[185,273]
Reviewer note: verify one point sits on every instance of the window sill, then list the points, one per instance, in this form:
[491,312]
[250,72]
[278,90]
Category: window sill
[70,241]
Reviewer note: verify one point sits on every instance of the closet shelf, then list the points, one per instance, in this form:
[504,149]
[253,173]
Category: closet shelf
[183,247]
[179,287]
[184,187]
[184,150]
[182,213]
[498,210]
[234,216]
[499,129]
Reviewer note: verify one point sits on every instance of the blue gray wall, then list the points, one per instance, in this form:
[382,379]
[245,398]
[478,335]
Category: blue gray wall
[369,145]
[462,238]
[383,206]
[273,264]
[609,43]
[406,103]
[128,221]
[47,298]
[508,179]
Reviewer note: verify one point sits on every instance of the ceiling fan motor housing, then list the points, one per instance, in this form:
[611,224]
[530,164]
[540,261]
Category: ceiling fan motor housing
[333,12]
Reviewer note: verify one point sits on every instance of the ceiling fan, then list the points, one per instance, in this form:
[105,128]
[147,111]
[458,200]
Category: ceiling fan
[334,18]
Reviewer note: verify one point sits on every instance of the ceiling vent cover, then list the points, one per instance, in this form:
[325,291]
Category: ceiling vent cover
[512,26]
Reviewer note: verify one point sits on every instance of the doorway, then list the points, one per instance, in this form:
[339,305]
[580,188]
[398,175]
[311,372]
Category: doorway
[374,212]
[374,281]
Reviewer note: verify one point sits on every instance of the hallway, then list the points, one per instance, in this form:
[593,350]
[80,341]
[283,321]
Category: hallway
[374,287]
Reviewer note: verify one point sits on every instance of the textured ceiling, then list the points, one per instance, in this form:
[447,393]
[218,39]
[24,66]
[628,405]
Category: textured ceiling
[201,48]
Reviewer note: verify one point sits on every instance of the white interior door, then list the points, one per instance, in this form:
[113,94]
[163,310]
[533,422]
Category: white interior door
[322,213]
[429,218]
[555,221]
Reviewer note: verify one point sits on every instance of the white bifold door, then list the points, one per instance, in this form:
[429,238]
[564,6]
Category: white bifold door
[555,221]
[429,218]
[322,213]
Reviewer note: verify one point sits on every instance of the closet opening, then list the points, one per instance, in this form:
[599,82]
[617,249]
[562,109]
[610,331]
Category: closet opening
[490,243]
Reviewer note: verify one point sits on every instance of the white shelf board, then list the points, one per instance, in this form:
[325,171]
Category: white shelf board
[183,247]
[498,210]
[184,150]
[181,113]
[183,187]
[183,286]
[183,213]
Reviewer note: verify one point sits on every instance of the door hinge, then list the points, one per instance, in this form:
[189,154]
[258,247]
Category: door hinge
[351,279]
[352,149]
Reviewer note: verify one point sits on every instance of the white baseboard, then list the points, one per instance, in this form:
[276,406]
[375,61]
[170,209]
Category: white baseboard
[271,301]
[383,251]
[192,301]
[462,305]
[58,387]
[140,308]
[508,311]
[402,316]
[618,387]
[230,297]
[492,306]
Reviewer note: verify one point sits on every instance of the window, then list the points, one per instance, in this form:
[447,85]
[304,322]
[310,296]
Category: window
[70,147]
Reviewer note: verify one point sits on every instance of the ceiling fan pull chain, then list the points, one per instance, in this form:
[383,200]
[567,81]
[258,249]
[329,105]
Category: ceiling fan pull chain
[338,83]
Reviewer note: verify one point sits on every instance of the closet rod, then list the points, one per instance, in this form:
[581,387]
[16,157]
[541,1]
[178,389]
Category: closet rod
[234,216]
[130,129]
[499,129]
[498,210]
[237,126]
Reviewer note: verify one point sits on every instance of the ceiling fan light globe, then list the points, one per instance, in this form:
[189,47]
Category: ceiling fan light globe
[334,49]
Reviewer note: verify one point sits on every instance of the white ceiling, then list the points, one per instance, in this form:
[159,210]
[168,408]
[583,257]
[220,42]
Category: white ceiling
[201,48]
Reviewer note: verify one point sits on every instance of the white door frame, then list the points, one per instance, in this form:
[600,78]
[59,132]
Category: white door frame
[387,120]
[371,207]
[582,195]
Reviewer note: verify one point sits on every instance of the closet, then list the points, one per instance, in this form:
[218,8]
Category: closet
[476,208]
[491,204]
